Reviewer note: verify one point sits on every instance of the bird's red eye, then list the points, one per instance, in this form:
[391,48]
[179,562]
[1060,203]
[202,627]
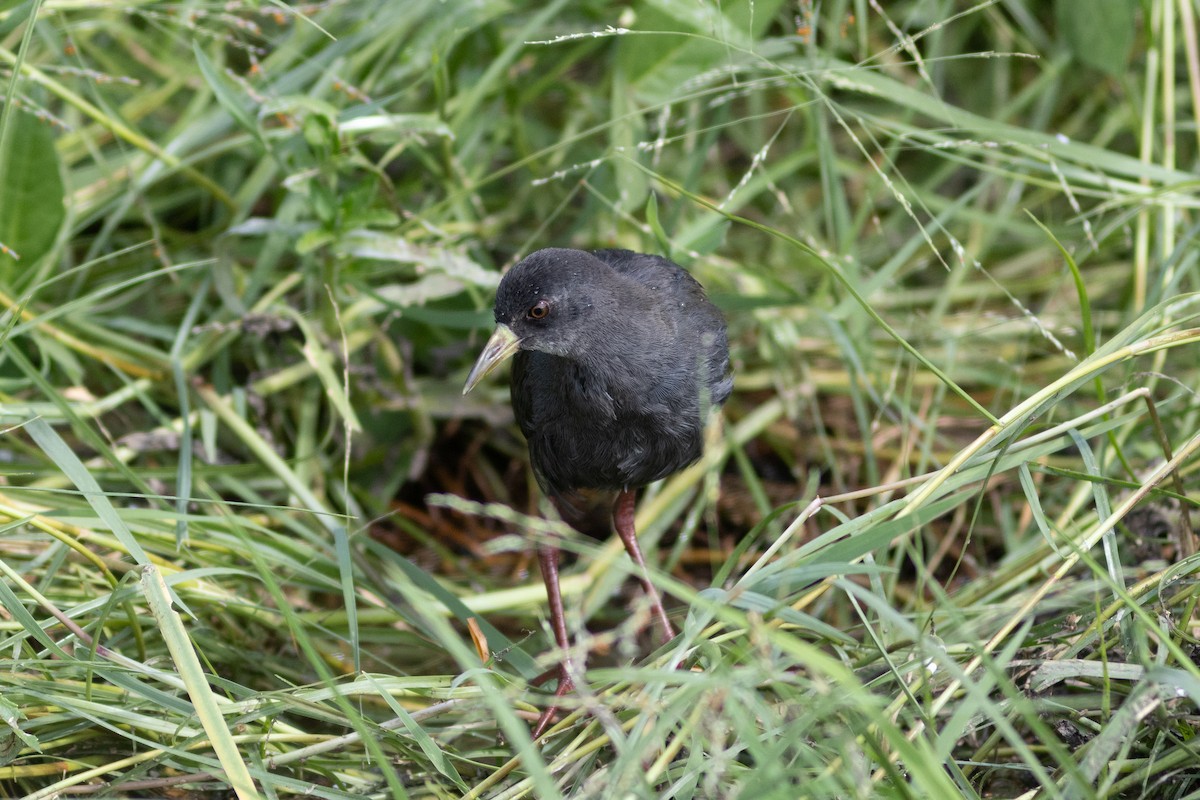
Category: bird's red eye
[539,310]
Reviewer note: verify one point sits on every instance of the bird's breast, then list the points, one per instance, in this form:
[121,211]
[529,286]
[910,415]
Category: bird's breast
[585,431]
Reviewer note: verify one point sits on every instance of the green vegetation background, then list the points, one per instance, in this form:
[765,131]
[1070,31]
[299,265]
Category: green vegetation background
[248,252]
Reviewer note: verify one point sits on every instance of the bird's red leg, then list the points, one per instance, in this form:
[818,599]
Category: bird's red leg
[623,513]
[548,561]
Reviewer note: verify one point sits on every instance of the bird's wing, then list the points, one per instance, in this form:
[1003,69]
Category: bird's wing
[668,279]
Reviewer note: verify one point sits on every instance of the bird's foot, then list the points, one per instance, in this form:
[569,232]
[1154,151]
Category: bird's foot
[565,684]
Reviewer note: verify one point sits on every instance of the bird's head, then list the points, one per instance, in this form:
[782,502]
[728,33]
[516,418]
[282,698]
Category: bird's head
[544,303]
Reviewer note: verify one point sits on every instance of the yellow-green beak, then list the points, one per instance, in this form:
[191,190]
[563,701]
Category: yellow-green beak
[498,348]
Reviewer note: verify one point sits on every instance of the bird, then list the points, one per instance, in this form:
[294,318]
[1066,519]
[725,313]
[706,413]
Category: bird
[618,360]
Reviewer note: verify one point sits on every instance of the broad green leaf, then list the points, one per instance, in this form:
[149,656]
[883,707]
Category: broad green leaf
[10,23]
[1098,32]
[31,193]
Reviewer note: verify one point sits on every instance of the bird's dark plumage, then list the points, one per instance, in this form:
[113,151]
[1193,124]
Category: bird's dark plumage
[611,386]
[617,359]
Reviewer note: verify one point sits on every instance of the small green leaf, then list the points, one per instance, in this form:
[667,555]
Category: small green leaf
[664,244]
[1099,32]
[380,246]
[321,361]
[394,127]
[12,737]
[225,94]
[320,134]
[313,239]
